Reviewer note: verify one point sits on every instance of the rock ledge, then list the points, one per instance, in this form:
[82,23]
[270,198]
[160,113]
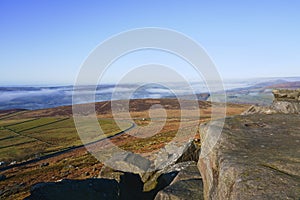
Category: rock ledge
[256,157]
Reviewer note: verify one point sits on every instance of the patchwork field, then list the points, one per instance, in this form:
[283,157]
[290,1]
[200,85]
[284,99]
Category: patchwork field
[22,139]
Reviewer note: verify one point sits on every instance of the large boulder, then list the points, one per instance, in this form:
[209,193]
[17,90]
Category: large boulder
[285,101]
[286,95]
[255,157]
[286,107]
[129,162]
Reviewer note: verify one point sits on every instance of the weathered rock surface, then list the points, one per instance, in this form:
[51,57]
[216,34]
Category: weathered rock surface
[186,185]
[287,95]
[286,107]
[256,157]
[129,162]
[162,178]
[259,110]
[175,153]
[285,101]
[172,160]
[109,173]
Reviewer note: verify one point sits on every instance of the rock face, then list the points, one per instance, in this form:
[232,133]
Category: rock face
[256,157]
[285,101]
[287,95]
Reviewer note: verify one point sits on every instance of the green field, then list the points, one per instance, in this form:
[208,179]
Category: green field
[22,139]
[30,124]
[4,134]
[8,122]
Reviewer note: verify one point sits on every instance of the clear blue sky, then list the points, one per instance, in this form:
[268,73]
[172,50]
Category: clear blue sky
[45,41]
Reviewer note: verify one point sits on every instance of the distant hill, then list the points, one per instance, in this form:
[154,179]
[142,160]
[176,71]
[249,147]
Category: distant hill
[286,85]
[135,105]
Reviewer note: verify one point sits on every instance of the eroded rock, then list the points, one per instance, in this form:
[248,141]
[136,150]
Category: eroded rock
[285,101]
[160,179]
[175,159]
[286,95]
[168,155]
[256,157]
[129,162]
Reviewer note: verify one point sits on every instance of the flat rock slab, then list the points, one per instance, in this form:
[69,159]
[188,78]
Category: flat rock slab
[256,157]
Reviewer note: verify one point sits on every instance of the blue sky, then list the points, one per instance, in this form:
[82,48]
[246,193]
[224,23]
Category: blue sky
[45,42]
